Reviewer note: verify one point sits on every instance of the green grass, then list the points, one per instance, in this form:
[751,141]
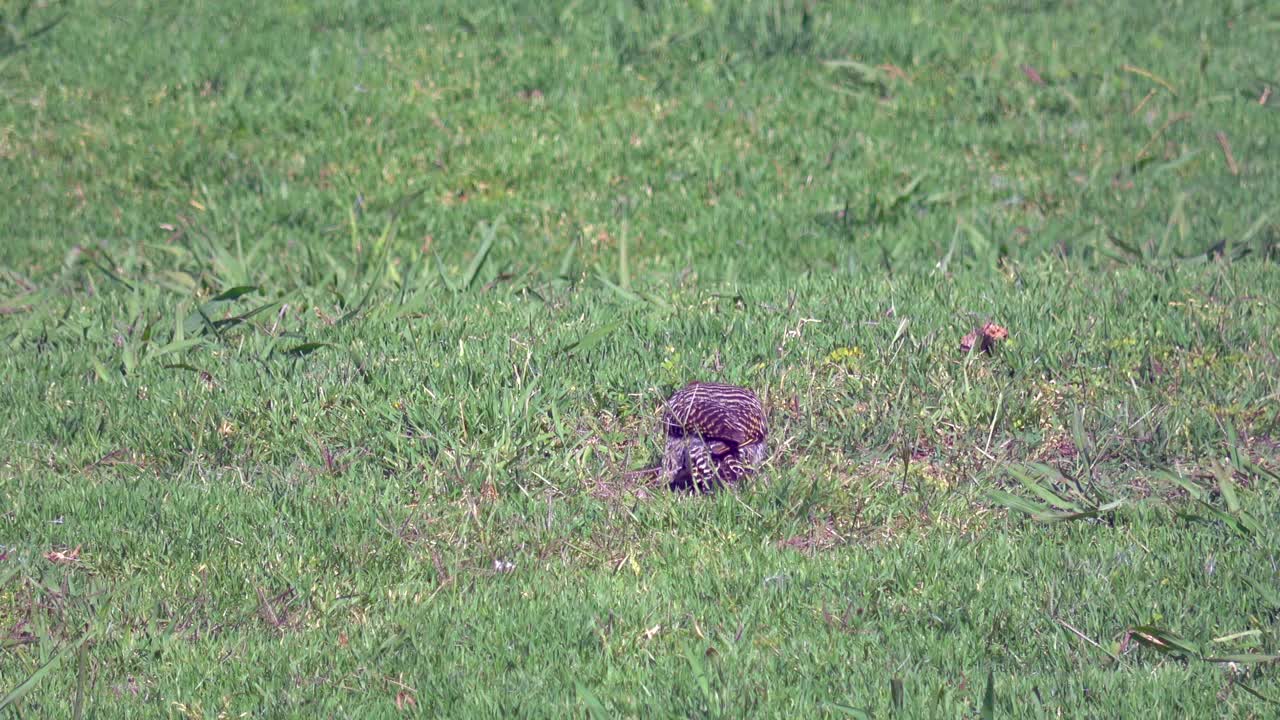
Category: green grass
[333,329]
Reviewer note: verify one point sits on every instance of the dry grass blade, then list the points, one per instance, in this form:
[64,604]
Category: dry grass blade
[1227,155]
[1252,691]
[1169,642]
[1164,641]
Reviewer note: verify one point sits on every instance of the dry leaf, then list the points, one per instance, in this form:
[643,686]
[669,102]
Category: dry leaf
[984,337]
[60,558]
[893,71]
[994,332]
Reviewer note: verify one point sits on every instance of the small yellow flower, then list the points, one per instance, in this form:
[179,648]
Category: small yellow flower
[845,356]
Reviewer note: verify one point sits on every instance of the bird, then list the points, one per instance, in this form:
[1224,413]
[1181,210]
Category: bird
[715,433]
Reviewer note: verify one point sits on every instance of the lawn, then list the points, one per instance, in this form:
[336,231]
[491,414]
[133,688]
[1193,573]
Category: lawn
[334,331]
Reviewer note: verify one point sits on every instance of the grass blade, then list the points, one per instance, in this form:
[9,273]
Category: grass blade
[592,339]
[1192,489]
[989,698]
[77,702]
[176,346]
[1243,658]
[622,292]
[1043,492]
[30,683]
[1227,486]
[595,709]
[1267,591]
[100,370]
[305,349]
[566,260]
[234,293]
[847,710]
[699,669]
[1020,504]
[624,267]
[487,233]
[444,276]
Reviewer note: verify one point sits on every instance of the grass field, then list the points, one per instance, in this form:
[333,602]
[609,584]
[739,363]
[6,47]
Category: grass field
[332,330]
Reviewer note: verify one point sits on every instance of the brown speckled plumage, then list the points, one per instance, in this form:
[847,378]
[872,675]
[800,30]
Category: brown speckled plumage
[715,433]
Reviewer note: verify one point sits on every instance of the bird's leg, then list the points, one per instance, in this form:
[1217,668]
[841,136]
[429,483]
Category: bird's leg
[731,469]
[753,454]
[674,459]
[700,463]
[738,462]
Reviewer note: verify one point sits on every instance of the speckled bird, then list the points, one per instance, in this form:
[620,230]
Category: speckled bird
[715,434]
